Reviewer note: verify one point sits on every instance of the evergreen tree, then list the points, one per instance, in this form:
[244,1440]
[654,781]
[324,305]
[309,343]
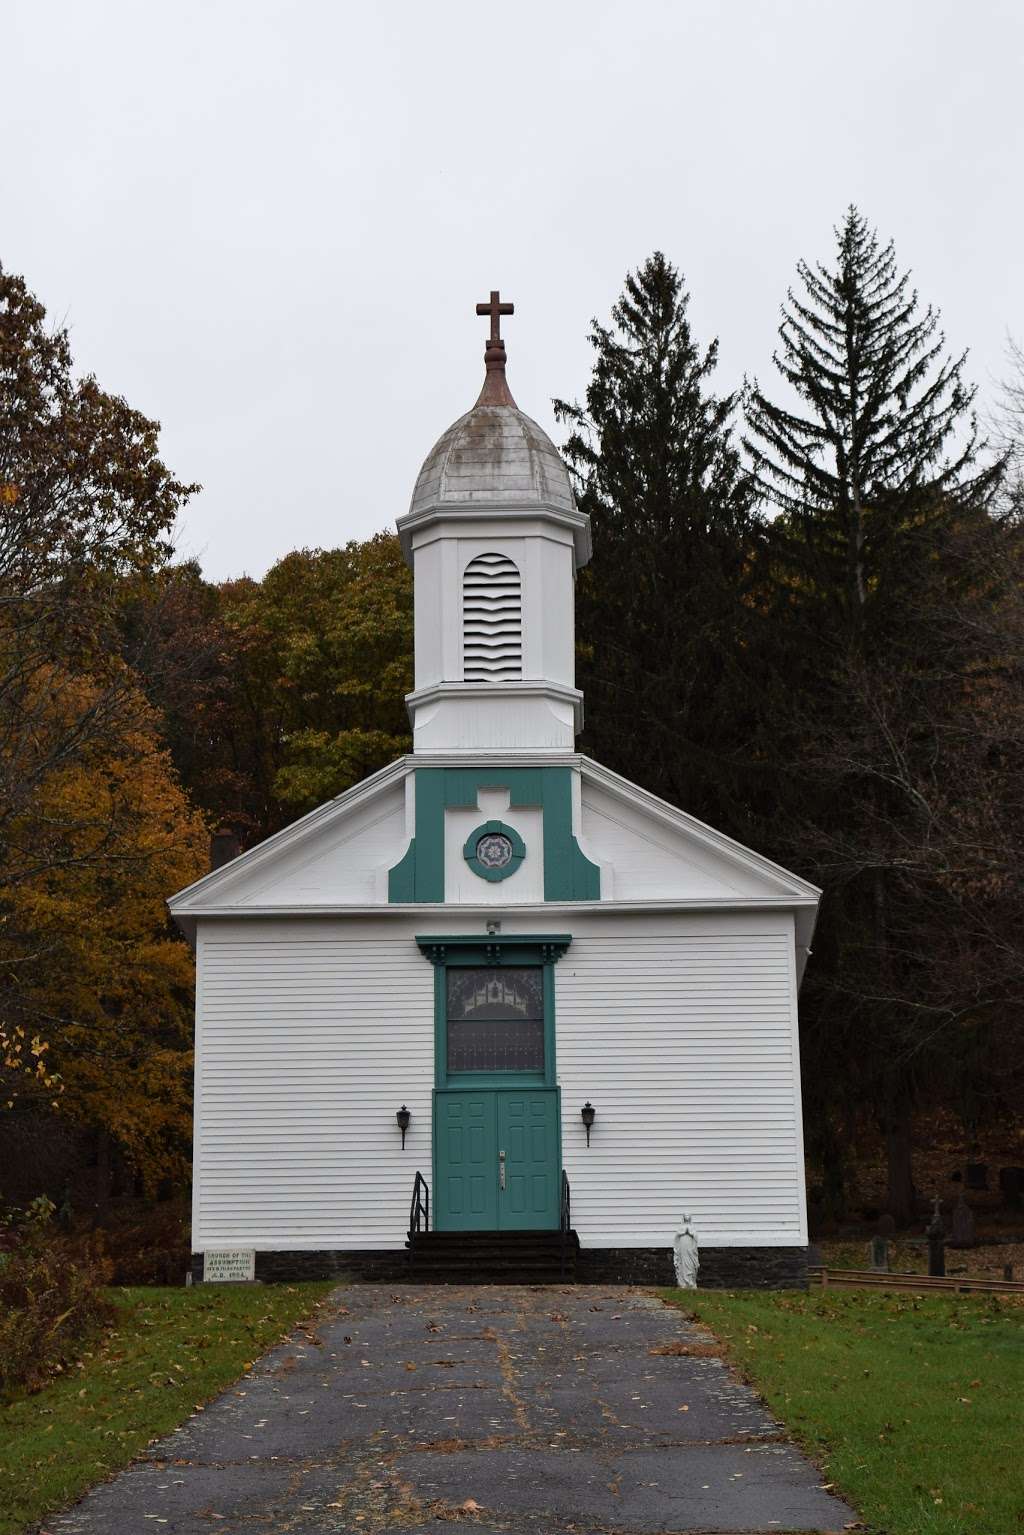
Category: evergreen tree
[882,567]
[660,619]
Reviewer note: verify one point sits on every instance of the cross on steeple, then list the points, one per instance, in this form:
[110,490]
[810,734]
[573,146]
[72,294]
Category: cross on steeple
[495,390]
[494,308]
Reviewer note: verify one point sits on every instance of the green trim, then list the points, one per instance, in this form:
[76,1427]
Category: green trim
[402,878]
[499,828]
[569,874]
[420,874]
[477,949]
[544,949]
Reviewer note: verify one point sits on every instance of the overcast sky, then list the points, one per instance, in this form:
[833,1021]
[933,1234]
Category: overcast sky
[267,224]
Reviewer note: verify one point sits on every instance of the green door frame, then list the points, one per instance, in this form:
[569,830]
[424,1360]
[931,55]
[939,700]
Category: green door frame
[544,950]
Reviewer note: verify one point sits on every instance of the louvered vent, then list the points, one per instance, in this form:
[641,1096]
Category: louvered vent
[492,620]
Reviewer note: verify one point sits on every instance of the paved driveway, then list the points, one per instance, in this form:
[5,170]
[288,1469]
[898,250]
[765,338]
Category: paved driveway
[552,1411]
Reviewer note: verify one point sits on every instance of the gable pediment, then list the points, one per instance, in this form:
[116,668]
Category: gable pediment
[338,855]
[649,850]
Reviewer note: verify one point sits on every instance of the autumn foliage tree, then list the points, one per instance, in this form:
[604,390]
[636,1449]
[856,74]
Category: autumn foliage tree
[85,504]
[94,974]
[277,694]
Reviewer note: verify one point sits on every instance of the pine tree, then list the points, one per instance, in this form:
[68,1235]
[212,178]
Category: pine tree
[880,446]
[882,567]
[660,617]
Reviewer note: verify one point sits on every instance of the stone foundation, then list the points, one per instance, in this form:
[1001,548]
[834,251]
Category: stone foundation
[390,1265]
[721,1268]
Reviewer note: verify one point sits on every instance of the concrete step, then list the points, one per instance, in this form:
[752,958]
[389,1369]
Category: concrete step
[492,1257]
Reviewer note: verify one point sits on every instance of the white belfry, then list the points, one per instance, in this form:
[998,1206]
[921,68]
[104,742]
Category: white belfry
[495,538]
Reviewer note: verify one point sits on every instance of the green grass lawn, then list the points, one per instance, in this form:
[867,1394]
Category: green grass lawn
[169,1351]
[913,1404]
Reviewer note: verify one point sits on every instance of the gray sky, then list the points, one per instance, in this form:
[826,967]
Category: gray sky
[267,224]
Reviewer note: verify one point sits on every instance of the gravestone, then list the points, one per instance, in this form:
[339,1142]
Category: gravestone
[936,1234]
[963,1224]
[880,1254]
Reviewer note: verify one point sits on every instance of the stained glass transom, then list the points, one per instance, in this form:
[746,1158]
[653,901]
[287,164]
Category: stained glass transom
[495,1019]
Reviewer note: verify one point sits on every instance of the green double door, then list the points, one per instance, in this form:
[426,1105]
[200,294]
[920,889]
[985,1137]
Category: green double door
[497,1160]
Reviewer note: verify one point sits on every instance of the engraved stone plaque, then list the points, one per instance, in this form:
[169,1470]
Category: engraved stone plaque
[227,1265]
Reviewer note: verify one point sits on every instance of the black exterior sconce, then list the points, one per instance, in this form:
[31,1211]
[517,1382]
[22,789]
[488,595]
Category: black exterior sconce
[588,1114]
[403,1116]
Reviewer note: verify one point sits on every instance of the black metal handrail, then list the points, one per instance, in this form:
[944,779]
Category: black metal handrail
[565,1221]
[419,1210]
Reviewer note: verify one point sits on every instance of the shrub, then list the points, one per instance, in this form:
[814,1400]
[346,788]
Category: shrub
[51,1298]
[149,1244]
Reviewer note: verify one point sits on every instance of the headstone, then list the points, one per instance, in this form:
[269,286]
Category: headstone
[936,1234]
[880,1254]
[686,1256]
[1008,1272]
[228,1265]
[977,1175]
[1011,1186]
[886,1225]
[963,1224]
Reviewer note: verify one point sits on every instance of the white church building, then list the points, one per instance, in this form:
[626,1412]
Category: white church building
[496,1011]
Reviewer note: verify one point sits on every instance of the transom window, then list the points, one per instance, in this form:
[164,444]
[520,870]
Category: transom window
[495,1019]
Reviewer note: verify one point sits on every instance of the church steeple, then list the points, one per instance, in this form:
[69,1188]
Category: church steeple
[494,536]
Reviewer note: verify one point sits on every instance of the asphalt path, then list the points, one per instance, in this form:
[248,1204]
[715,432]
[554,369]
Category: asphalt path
[548,1410]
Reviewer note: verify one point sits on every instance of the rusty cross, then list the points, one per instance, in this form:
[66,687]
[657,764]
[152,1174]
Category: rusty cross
[495,308]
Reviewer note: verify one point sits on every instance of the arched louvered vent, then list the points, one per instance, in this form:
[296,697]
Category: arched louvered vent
[492,620]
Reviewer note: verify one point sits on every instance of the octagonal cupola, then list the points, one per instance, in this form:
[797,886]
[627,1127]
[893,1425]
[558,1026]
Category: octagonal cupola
[494,538]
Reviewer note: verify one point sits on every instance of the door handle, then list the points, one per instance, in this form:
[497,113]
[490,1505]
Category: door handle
[501,1171]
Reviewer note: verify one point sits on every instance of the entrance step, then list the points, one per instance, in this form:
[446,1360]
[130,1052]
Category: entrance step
[492,1257]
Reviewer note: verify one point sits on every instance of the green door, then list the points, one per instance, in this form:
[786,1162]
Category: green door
[496,1160]
[528,1148]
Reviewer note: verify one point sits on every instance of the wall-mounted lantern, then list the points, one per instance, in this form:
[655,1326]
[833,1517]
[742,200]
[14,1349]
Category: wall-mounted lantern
[588,1114]
[403,1116]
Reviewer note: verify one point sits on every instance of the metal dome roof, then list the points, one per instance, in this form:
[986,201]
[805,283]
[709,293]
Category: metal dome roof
[493,455]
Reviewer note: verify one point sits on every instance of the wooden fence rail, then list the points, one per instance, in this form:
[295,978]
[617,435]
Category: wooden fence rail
[878,1279]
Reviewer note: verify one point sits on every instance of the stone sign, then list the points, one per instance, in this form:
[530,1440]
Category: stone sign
[228,1265]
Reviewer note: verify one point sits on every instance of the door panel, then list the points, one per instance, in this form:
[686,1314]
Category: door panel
[466,1184]
[528,1134]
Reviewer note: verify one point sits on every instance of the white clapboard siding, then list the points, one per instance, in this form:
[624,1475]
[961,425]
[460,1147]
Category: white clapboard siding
[309,1037]
[685,1043]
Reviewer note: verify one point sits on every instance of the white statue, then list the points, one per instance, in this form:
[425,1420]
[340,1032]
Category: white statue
[687,1259]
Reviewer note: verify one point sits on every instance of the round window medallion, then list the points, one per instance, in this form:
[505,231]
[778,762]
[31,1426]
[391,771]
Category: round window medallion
[494,850]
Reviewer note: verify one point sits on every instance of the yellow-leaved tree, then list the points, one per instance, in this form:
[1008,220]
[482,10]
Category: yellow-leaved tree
[96,989]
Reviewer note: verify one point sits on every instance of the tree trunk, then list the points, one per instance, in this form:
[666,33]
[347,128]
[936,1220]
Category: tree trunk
[102,1175]
[901,1200]
[833,1176]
